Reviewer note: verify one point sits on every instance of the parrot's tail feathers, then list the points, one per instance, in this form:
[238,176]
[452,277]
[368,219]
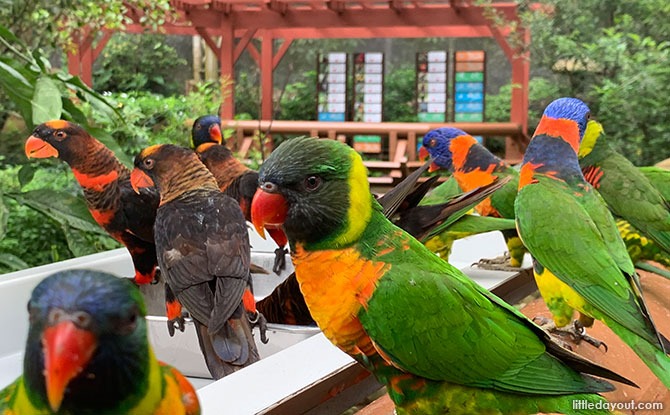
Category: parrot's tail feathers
[229,350]
[651,354]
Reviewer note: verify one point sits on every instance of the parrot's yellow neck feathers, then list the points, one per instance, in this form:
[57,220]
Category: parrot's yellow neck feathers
[593,130]
[360,202]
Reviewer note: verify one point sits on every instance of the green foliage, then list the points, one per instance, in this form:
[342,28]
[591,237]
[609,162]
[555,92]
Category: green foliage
[155,119]
[138,62]
[298,100]
[613,55]
[399,91]
[248,95]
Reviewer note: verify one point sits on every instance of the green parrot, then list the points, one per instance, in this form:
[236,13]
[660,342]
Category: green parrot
[627,191]
[439,342]
[443,240]
[473,165]
[88,353]
[581,261]
[659,178]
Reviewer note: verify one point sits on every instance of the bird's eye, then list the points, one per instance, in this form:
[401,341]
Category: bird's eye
[312,183]
[149,163]
[588,115]
[60,135]
[198,127]
[432,143]
[81,319]
[55,316]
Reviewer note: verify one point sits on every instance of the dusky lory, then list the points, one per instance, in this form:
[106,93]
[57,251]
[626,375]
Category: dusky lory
[203,252]
[234,178]
[88,353]
[438,341]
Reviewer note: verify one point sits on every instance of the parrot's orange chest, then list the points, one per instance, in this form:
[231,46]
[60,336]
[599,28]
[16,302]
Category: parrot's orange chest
[476,178]
[336,284]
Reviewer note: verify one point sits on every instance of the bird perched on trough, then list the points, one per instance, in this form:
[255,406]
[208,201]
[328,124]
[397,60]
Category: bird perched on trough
[88,353]
[401,204]
[126,215]
[234,178]
[203,251]
[438,341]
[473,165]
[580,260]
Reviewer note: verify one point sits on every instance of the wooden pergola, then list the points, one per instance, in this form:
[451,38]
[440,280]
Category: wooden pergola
[279,22]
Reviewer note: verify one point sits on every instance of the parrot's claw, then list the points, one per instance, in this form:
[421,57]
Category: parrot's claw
[176,323]
[575,331]
[280,260]
[501,263]
[258,319]
[157,277]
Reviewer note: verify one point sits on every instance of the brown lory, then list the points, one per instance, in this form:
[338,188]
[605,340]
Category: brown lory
[234,178]
[127,216]
[203,251]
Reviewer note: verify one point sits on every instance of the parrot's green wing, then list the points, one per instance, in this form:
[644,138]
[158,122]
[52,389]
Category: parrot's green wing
[659,178]
[475,224]
[444,191]
[431,320]
[6,397]
[620,183]
[575,252]
[503,199]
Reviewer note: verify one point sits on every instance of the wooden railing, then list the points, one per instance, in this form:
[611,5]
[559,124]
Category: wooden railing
[399,139]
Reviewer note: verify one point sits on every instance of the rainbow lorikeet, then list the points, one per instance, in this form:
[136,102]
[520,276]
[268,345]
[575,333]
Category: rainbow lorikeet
[659,178]
[438,341]
[472,165]
[127,216]
[629,194]
[581,261]
[203,251]
[467,225]
[401,204]
[88,353]
[234,178]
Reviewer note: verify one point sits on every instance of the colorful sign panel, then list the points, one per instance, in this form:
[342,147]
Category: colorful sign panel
[469,81]
[332,86]
[431,86]
[368,97]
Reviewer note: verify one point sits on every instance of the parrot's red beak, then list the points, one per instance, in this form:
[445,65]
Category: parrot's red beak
[67,350]
[39,149]
[139,179]
[423,153]
[215,133]
[433,167]
[268,210]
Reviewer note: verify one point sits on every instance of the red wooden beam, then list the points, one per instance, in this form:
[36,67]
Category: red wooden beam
[106,35]
[209,40]
[267,80]
[254,53]
[243,42]
[281,52]
[227,66]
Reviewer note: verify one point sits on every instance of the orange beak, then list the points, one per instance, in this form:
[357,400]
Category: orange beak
[433,167]
[423,153]
[67,350]
[268,210]
[139,179]
[215,133]
[38,148]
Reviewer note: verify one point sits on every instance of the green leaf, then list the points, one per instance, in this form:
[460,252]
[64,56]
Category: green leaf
[76,241]
[47,103]
[18,88]
[26,174]
[12,262]
[61,207]
[4,217]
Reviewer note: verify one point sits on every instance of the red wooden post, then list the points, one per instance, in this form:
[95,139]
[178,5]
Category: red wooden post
[227,64]
[267,49]
[519,104]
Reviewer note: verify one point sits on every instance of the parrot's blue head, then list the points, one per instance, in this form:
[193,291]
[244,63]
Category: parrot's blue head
[206,129]
[569,109]
[437,144]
